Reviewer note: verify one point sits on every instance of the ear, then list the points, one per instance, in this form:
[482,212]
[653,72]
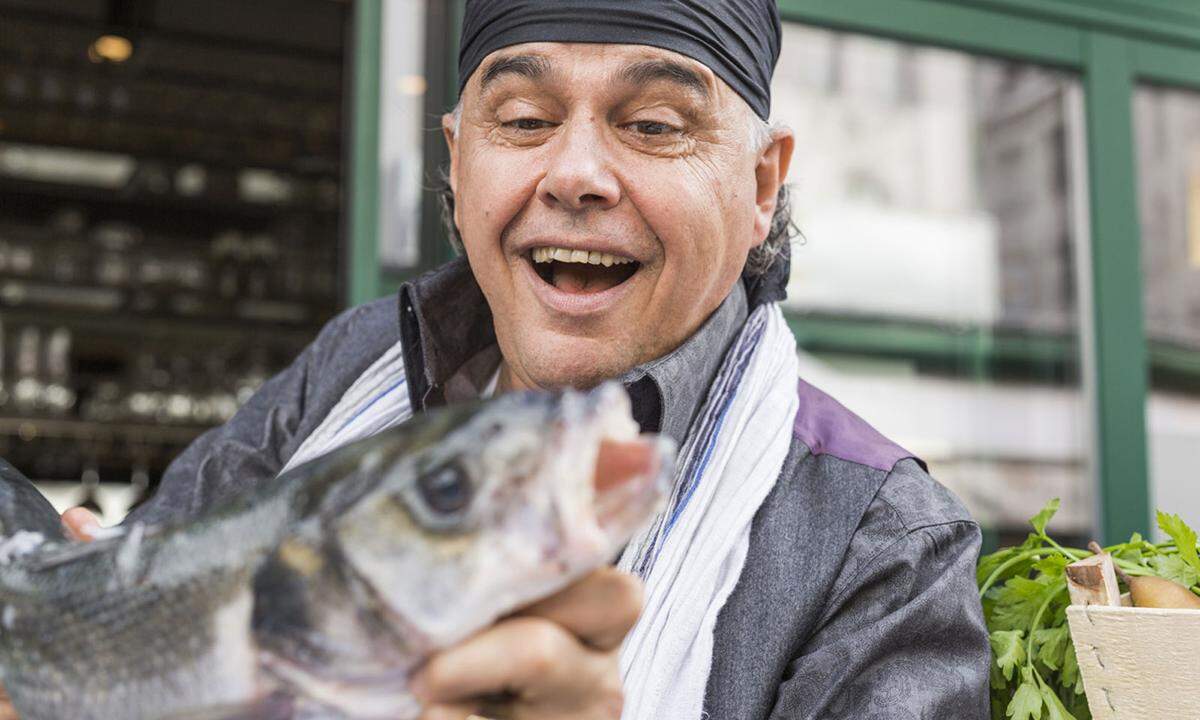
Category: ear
[770,173]
[452,147]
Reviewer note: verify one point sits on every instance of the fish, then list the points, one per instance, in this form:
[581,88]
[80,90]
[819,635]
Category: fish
[320,593]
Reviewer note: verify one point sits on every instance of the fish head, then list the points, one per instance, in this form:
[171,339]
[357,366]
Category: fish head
[520,495]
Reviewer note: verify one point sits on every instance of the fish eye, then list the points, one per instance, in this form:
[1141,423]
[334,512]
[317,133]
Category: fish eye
[446,489]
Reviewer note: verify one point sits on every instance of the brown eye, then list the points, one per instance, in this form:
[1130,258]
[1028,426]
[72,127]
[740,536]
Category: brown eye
[446,490]
[527,124]
[652,128]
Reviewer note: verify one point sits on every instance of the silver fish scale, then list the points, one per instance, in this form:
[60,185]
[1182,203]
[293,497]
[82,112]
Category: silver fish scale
[97,640]
[104,651]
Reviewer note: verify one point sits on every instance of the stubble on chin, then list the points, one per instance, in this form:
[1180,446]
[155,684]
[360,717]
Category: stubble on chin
[558,365]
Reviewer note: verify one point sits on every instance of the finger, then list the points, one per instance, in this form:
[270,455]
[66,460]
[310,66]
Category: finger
[449,712]
[519,656]
[600,609]
[80,524]
[7,711]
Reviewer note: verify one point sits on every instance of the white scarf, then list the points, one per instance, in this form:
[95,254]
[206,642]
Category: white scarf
[376,401]
[692,555]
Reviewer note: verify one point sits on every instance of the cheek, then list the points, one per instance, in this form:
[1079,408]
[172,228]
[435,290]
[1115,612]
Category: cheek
[701,216]
[494,186]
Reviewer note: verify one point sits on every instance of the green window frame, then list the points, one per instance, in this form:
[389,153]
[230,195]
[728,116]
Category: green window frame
[1111,44]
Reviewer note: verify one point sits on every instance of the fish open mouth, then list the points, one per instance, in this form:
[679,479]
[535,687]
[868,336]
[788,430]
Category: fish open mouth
[631,475]
[581,271]
[628,478]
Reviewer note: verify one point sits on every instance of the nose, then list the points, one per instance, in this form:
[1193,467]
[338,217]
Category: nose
[579,176]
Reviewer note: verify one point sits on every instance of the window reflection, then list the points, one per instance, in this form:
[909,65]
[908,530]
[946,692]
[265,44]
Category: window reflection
[403,122]
[1167,123]
[934,290]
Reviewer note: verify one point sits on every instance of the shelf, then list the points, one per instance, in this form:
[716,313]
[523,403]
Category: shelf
[125,323]
[165,203]
[33,428]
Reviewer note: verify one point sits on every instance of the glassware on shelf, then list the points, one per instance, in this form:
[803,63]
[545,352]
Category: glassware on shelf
[90,480]
[27,388]
[58,397]
[139,481]
[4,380]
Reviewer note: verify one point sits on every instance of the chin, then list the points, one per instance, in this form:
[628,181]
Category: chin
[551,360]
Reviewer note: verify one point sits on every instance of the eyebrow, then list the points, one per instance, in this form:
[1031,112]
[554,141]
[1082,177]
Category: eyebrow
[648,71]
[533,67]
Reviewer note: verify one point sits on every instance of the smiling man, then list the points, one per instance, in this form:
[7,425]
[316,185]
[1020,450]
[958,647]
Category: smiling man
[591,193]
[618,195]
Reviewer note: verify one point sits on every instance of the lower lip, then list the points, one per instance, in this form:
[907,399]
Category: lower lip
[576,304]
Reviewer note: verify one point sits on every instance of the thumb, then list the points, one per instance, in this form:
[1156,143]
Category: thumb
[80,524]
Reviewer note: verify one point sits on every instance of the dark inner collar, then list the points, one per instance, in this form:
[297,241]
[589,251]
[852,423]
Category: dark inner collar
[682,377]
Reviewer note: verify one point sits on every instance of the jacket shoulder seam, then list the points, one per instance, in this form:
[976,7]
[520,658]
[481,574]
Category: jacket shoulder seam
[874,558]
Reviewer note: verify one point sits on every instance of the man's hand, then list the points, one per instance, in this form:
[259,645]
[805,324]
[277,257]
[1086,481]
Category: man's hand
[7,711]
[556,659]
[79,524]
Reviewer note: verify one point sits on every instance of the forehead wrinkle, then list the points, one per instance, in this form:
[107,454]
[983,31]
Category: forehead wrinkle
[645,72]
[531,67]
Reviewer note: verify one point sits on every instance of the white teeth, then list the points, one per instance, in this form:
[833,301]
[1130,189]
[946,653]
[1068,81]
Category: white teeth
[589,257]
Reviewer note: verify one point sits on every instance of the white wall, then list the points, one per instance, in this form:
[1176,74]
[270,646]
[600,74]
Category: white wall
[1173,426]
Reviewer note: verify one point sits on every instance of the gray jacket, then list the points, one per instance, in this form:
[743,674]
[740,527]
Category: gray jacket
[857,599]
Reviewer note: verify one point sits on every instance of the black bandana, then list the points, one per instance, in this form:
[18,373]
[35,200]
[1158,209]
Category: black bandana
[737,39]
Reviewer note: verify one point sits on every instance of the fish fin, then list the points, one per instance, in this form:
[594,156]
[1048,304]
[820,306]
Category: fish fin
[276,706]
[67,551]
[24,507]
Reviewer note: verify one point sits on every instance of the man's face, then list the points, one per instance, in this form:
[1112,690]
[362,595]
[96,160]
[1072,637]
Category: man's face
[607,197]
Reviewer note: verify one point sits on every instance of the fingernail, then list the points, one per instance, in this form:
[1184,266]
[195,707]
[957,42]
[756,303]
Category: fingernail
[89,525]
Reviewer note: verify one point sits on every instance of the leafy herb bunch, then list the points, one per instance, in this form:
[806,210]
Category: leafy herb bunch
[1024,592]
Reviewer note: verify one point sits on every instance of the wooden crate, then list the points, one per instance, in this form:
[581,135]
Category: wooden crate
[1138,663]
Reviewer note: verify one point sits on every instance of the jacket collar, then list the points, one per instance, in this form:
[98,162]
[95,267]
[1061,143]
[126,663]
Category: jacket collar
[447,333]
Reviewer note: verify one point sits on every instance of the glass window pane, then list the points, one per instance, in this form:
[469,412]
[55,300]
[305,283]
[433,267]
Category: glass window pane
[1168,152]
[402,88]
[934,289]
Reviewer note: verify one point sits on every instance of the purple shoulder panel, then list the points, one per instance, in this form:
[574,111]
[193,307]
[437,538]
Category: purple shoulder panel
[828,428]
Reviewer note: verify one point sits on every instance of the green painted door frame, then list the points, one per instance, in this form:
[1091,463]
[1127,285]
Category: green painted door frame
[363,277]
[1112,44]
[1119,341]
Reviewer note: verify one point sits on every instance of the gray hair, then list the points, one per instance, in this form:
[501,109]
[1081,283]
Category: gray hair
[758,262]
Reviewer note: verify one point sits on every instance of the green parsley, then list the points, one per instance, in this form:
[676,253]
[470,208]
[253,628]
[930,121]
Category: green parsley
[1034,673]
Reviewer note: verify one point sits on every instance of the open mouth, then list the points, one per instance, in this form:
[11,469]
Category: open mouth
[581,271]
